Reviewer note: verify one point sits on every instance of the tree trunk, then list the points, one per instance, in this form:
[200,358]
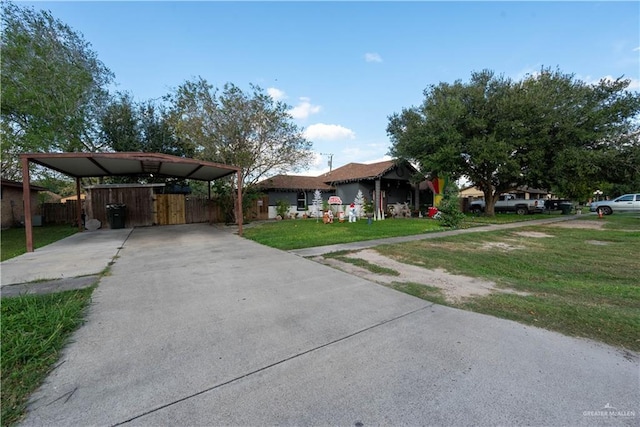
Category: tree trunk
[490,199]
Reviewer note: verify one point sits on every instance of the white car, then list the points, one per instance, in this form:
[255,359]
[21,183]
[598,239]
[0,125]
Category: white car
[624,203]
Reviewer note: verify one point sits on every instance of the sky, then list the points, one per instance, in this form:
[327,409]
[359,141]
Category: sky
[345,67]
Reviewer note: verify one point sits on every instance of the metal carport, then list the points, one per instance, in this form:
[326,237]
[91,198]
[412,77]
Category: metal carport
[92,165]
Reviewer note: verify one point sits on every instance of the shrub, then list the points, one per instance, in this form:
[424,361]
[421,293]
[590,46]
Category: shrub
[282,208]
[450,213]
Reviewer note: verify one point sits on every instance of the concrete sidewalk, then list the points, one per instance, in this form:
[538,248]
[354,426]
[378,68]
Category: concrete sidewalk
[195,326]
[321,250]
[81,254]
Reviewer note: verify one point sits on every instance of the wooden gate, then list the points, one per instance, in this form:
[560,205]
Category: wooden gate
[260,209]
[170,209]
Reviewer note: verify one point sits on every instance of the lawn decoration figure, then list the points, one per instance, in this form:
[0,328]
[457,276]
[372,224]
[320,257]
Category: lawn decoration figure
[352,212]
[400,210]
[327,218]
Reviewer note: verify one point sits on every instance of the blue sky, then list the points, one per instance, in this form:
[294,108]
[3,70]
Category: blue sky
[344,67]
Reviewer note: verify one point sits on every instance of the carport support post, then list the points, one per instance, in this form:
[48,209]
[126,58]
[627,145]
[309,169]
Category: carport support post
[209,204]
[239,213]
[79,207]
[26,195]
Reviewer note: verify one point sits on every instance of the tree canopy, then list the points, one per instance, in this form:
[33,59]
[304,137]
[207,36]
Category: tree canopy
[55,98]
[53,87]
[130,126]
[548,130]
[245,129]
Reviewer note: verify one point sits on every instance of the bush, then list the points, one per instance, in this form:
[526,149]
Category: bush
[450,213]
[282,208]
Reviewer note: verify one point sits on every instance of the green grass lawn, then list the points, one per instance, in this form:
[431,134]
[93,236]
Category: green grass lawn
[305,233]
[34,327]
[13,240]
[34,330]
[504,218]
[581,282]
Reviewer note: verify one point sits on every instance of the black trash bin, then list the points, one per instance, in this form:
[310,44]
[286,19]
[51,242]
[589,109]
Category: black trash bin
[566,208]
[116,214]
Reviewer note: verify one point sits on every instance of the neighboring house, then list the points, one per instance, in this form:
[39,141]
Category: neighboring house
[472,193]
[384,183]
[13,203]
[73,198]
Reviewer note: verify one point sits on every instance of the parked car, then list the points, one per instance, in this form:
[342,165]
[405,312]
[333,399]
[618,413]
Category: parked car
[509,203]
[624,203]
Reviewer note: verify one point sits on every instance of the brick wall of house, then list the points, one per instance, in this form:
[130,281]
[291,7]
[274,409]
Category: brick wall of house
[13,206]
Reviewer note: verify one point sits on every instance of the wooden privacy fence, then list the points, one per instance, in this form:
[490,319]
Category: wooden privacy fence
[201,209]
[169,209]
[60,213]
[142,210]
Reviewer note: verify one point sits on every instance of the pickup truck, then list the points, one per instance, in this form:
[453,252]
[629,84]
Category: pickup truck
[509,203]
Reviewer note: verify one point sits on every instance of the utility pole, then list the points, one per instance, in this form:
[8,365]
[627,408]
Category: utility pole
[330,162]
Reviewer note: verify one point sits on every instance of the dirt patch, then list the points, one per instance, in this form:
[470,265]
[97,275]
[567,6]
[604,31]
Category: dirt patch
[454,287]
[533,234]
[591,225]
[500,245]
[597,242]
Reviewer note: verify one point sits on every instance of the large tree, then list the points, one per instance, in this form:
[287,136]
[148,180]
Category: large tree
[547,130]
[53,87]
[245,129]
[130,126]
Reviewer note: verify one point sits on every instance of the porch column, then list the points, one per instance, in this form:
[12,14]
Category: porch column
[26,195]
[377,212]
[416,198]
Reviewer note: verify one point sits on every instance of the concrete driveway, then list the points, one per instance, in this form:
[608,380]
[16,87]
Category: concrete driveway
[196,326]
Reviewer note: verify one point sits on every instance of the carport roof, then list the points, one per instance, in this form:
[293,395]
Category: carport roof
[85,165]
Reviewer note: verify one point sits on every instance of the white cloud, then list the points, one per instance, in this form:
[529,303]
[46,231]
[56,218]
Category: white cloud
[379,159]
[372,57]
[321,131]
[276,94]
[304,109]
[637,49]
[317,167]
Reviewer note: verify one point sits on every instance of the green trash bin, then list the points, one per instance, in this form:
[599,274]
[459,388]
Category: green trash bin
[566,208]
[116,214]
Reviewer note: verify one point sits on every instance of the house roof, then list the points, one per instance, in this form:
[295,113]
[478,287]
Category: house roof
[358,172]
[84,165]
[348,173]
[14,184]
[293,182]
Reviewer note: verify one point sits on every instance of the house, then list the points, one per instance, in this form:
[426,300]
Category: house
[297,190]
[73,198]
[471,192]
[13,203]
[384,183]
